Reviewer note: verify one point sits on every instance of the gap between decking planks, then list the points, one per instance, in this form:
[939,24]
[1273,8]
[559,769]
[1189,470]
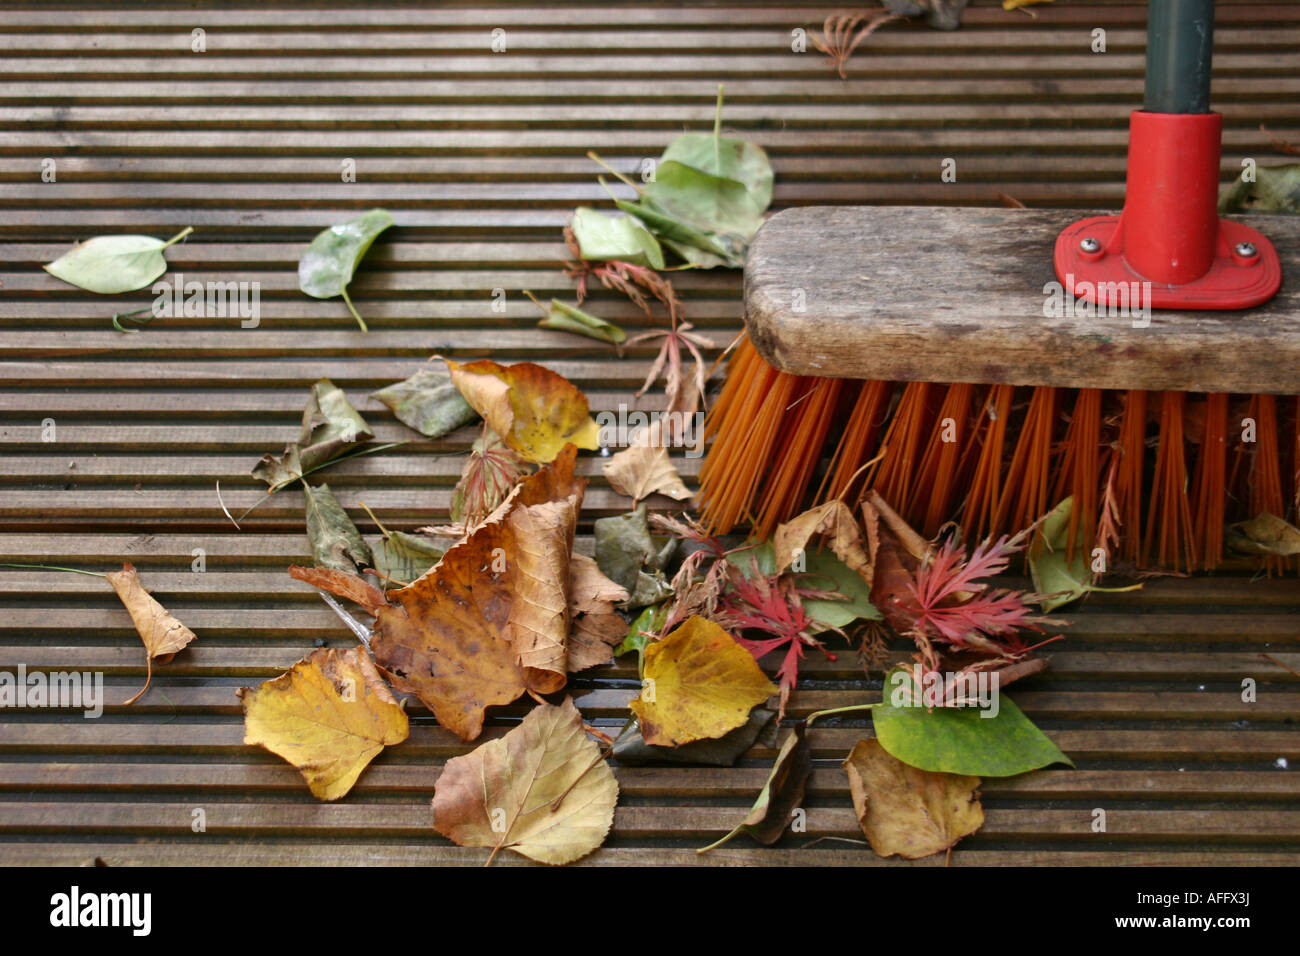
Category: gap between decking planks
[480,163]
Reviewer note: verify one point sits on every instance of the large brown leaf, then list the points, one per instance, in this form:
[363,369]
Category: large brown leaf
[906,811]
[542,790]
[491,620]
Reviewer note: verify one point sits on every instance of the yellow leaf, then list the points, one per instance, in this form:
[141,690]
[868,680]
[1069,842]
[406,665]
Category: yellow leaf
[834,520]
[534,410]
[906,811]
[329,716]
[641,470]
[1017,4]
[542,790]
[163,634]
[698,684]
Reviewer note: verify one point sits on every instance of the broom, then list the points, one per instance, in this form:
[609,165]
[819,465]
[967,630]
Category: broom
[1138,422]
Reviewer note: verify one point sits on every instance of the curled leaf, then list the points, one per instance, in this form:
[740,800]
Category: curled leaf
[534,410]
[597,627]
[329,715]
[906,811]
[782,792]
[330,426]
[326,268]
[644,469]
[1057,578]
[1265,535]
[162,633]
[832,520]
[698,683]
[602,237]
[542,790]
[428,402]
[567,318]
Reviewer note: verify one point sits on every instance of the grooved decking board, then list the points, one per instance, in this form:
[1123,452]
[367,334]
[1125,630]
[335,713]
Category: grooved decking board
[480,157]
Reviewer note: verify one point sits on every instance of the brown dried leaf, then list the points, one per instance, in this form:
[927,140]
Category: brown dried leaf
[163,634]
[597,628]
[833,520]
[644,469]
[910,812]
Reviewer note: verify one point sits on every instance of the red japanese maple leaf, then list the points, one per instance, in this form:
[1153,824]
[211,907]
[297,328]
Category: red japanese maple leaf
[773,604]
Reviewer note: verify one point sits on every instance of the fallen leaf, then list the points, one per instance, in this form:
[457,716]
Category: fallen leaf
[1057,579]
[541,790]
[601,237]
[1271,189]
[329,715]
[490,472]
[534,410]
[162,633]
[562,317]
[491,620]
[644,629]
[330,425]
[963,740]
[630,748]
[825,572]
[1264,535]
[698,683]
[906,811]
[628,554]
[401,558]
[335,541]
[326,268]
[428,402]
[113,264]
[833,521]
[641,470]
[781,794]
[346,585]
[596,626]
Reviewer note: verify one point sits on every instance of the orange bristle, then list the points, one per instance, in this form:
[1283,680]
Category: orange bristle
[986,485]
[1079,471]
[940,474]
[1169,519]
[858,441]
[896,474]
[1210,488]
[1131,448]
[1024,496]
[797,451]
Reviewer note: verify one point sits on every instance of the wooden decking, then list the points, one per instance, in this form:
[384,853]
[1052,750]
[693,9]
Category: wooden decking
[479,156]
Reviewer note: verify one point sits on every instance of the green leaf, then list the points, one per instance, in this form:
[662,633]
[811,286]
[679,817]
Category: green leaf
[724,158]
[1275,189]
[693,257]
[829,573]
[566,318]
[403,557]
[628,555]
[113,264]
[960,739]
[602,237]
[335,541]
[729,249]
[650,620]
[326,268]
[428,402]
[330,426]
[760,551]
[706,202]
[1056,578]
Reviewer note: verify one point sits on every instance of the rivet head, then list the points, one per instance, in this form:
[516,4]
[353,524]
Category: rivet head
[1090,245]
[1245,249]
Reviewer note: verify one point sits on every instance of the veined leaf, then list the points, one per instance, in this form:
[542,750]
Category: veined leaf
[326,268]
[335,541]
[707,202]
[961,740]
[725,158]
[567,318]
[113,264]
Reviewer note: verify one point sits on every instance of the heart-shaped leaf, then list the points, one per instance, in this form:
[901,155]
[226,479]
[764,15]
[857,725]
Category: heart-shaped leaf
[326,268]
[963,740]
[113,264]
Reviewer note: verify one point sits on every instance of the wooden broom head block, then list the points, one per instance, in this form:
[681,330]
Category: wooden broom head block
[946,294]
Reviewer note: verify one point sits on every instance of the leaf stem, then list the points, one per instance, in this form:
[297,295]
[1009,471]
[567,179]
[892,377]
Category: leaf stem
[355,314]
[840,710]
[178,237]
[51,567]
[382,530]
[126,315]
[717,132]
[310,471]
[591,154]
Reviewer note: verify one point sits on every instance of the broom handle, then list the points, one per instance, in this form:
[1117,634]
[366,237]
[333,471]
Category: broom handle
[1180,47]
